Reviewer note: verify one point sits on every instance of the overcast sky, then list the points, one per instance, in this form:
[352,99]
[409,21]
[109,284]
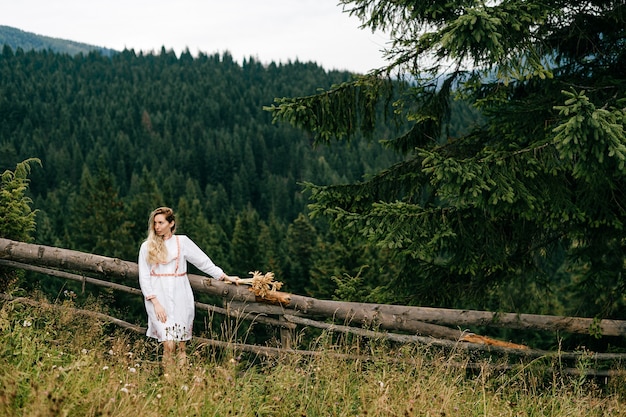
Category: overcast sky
[269,30]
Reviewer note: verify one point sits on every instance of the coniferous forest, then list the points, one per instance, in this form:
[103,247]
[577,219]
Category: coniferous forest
[505,211]
[119,136]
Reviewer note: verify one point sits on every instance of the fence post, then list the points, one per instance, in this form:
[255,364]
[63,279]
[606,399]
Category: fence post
[286,334]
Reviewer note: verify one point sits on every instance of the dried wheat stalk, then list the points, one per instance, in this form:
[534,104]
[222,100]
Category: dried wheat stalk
[261,284]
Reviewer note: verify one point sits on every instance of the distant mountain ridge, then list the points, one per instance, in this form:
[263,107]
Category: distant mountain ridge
[17,38]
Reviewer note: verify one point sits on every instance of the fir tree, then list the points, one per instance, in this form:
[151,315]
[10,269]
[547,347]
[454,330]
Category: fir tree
[534,190]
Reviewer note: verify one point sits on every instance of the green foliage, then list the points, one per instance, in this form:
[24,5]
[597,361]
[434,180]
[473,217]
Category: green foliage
[245,242]
[99,219]
[329,113]
[188,125]
[591,138]
[17,219]
[532,192]
[301,240]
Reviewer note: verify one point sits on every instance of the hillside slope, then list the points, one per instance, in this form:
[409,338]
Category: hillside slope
[16,38]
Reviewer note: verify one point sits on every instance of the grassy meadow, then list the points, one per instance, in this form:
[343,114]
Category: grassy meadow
[58,363]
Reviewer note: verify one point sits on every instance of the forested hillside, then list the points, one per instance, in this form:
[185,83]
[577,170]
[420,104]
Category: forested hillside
[16,38]
[118,136]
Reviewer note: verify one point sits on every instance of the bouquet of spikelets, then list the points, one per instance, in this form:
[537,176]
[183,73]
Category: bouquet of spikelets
[261,285]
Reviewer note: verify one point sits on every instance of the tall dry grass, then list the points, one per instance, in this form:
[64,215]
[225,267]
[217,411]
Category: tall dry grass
[55,363]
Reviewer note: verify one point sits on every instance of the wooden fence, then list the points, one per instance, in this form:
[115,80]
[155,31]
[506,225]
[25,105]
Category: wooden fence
[406,324]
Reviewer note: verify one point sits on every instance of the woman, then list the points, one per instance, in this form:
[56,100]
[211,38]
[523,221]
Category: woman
[169,301]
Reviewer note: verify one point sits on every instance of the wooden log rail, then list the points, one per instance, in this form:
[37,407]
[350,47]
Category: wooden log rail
[415,320]
[281,352]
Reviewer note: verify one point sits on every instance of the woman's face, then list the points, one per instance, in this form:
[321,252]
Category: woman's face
[162,227]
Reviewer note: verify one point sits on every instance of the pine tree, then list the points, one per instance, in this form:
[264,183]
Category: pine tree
[144,196]
[209,237]
[532,191]
[270,245]
[245,256]
[99,223]
[301,240]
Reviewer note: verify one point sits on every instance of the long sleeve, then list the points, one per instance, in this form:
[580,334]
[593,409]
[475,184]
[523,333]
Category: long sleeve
[145,282]
[197,257]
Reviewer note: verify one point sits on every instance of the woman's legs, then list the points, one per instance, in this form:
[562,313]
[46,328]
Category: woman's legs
[169,351]
[182,354]
[169,346]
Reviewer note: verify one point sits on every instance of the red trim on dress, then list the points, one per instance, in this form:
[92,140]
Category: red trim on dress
[176,273]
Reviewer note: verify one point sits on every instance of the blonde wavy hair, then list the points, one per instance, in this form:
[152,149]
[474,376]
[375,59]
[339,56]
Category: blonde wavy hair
[157,252]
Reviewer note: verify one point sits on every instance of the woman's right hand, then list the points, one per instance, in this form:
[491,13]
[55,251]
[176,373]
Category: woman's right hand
[159,310]
[228,278]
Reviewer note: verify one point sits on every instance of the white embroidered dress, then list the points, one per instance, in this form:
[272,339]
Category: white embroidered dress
[169,283]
